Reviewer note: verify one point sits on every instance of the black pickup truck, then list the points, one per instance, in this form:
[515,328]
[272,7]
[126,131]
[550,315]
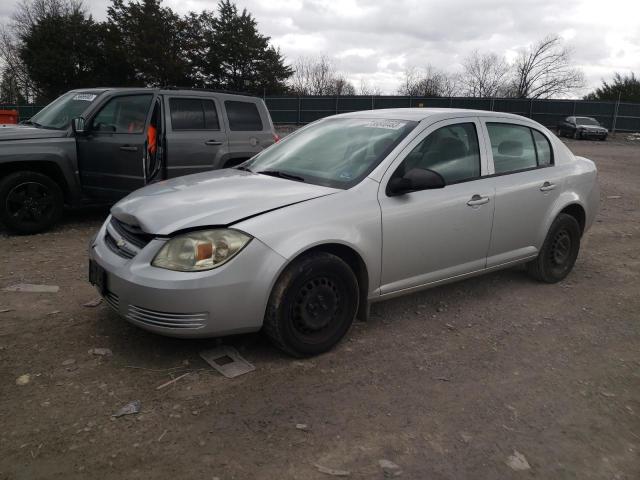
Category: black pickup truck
[94,146]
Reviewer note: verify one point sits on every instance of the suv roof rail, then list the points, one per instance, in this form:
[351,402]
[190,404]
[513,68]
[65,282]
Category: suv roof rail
[214,90]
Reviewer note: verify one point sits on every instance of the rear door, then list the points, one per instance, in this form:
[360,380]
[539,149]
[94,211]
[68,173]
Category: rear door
[246,129]
[195,137]
[527,184]
[112,152]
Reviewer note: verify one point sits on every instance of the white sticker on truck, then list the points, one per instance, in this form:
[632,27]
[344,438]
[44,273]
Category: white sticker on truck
[84,97]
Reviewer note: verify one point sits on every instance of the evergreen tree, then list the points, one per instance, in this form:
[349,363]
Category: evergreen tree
[625,87]
[152,40]
[10,91]
[230,53]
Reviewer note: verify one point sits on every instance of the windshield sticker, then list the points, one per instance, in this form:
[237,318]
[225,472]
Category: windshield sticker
[85,97]
[388,124]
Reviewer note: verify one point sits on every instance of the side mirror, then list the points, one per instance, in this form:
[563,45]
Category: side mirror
[414,180]
[77,125]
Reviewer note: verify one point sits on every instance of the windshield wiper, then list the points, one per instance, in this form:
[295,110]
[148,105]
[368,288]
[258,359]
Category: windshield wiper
[243,168]
[281,174]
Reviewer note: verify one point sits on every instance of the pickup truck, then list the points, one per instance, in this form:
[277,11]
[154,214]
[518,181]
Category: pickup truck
[95,146]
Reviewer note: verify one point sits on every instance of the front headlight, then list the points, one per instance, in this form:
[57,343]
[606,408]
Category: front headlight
[200,250]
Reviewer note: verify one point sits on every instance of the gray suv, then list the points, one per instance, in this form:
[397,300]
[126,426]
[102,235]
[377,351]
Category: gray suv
[94,146]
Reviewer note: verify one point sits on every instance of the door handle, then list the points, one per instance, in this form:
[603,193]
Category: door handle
[547,186]
[212,142]
[129,148]
[477,200]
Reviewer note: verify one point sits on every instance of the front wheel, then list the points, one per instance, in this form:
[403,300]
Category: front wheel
[30,202]
[559,251]
[312,305]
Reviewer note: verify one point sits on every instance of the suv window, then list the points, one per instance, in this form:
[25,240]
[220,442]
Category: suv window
[123,114]
[243,116]
[193,114]
[452,151]
[516,148]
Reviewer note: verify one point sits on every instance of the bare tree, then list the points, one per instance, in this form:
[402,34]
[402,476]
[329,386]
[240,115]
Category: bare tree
[544,70]
[369,90]
[430,82]
[318,76]
[485,75]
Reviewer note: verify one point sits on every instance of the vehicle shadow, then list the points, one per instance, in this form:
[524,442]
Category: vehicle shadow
[143,349]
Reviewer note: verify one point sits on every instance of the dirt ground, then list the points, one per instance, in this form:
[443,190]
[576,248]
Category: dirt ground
[447,383]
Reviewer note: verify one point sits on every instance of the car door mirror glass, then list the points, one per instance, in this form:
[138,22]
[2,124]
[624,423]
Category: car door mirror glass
[415,180]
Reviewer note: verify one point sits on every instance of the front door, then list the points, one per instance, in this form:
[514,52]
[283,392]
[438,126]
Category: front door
[112,151]
[432,235]
[194,137]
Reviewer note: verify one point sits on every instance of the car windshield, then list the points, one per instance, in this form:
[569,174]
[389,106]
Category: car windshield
[337,152]
[59,113]
[586,121]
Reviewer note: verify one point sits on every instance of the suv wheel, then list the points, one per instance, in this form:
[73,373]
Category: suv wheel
[312,305]
[30,202]
[559,251]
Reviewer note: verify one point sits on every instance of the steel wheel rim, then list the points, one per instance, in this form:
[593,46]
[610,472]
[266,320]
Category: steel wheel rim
[317,309]
[30,202]
[560,250]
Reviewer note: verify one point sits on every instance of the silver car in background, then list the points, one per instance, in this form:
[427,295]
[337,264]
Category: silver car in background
[350,210]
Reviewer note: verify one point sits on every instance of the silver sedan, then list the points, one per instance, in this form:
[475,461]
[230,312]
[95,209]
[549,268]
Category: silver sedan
[350,210]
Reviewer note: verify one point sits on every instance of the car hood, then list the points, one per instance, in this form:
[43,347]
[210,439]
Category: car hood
[215,198]
[26,132]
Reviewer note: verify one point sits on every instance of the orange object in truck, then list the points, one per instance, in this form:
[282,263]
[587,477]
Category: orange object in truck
[8,116]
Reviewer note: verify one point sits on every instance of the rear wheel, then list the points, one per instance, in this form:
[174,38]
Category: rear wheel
[30,202]
[312,305]
[559,251]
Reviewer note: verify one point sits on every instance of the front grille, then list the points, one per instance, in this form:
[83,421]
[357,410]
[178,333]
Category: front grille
[154,318]
[131,233]
[113,246]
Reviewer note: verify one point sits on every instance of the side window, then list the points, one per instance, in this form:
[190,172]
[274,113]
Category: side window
[243,116]
[452,151]
[543,149]
[193,114]
[124,114]
[512,147]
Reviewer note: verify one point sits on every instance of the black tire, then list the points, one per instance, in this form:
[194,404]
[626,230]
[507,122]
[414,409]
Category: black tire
[30,202]
[603,138]
[312,305]
[559,251]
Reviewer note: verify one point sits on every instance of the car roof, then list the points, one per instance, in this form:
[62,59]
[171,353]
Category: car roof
[165,91]
[419,114]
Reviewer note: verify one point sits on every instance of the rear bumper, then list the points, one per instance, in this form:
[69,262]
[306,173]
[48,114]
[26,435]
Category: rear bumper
[226,300]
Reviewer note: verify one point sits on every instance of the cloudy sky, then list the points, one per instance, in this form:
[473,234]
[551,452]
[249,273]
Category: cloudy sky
[376,40]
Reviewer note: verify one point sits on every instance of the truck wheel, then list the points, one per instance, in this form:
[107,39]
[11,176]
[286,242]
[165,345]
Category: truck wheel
[30,202]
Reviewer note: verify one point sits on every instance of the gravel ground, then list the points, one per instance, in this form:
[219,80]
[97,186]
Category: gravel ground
[470,380]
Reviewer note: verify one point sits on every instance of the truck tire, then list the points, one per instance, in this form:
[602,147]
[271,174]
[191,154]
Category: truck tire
[30,202]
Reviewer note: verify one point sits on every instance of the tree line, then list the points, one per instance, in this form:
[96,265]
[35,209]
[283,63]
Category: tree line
[52,46]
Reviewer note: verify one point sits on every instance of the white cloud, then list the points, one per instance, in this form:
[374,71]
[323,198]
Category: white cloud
[376,39]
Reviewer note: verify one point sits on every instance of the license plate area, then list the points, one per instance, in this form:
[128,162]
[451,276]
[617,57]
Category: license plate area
[98,277]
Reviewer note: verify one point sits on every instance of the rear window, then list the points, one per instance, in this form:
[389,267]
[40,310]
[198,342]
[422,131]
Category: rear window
[193,114]
[243,116]
[516,148]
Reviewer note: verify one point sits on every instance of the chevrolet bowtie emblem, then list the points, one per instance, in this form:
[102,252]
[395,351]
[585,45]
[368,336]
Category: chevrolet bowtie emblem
[120,243]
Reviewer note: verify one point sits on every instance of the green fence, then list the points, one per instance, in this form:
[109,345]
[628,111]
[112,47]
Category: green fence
[616,116]
[625,117]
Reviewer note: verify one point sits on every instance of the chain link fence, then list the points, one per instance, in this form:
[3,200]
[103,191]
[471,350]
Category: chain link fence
[616,116]
[294,110]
